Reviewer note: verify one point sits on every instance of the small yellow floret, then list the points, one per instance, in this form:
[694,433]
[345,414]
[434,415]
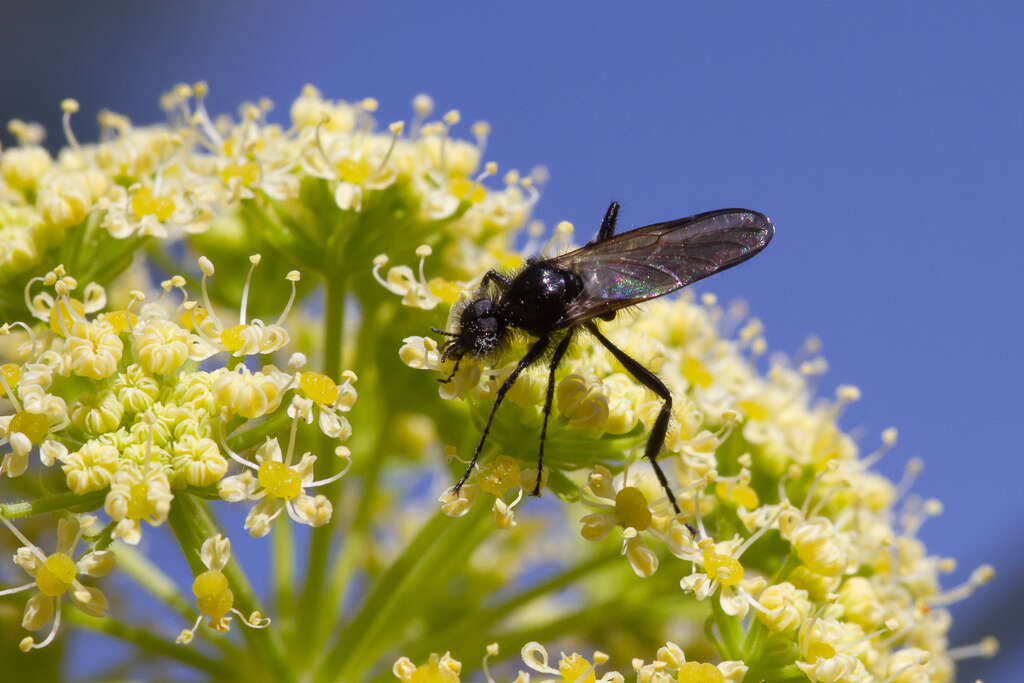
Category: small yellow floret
[499,476]
[445,290]
[213,596]
[279,480]
[232,339]
[631,508]
[62,314]
[247,173]
[738,494]
[54,577]
[464,188]
[119,320]
[319,387]
[11,373]
[32,425]
[192,319]
[353,171]
[145,203]
[722,567]
[576,668]
[699,672]
[695,372]
[753,410]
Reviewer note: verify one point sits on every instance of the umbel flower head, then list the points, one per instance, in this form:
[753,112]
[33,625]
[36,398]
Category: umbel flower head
[789,557]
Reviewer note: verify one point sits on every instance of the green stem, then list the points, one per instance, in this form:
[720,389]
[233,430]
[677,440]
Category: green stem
[61,501]
[282,574]
[192,523]
[273,425]
[729,627]
[320,543]
[483,620]
[383,590]
[153,580]
[148,642]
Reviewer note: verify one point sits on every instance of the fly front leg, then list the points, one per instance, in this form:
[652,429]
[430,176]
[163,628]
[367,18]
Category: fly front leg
[532,356]
[651,381]
[555,360]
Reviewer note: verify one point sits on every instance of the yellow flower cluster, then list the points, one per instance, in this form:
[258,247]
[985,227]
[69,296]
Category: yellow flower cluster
[754,456]
[179,178]
[150,421]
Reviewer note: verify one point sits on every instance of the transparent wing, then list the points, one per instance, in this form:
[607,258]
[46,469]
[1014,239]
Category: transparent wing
[657,259]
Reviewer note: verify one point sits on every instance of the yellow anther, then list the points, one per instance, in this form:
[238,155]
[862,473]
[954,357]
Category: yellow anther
[119,320]
[232,339]
[499,476]
[55,576]
[279,480]
[145,203]
[247,173]
[213,596]
[318,387]
[65,316]
[11,373]
[576,668]
[190,320]
[631,508]
[699,672]
[353,170]
[753,410]
[32,425]
[722,567]
[695,372]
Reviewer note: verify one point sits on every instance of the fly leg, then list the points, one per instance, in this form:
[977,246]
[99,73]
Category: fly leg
[555,360]
[651,381]
[531,357]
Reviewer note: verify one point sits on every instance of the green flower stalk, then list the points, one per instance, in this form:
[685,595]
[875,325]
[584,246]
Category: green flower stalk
[205,314]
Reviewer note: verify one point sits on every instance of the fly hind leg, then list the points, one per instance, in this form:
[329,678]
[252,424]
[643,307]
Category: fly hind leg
[608,224]
[651,381]
[555,360]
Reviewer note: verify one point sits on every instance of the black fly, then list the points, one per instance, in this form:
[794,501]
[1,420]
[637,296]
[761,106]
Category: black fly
[570,291]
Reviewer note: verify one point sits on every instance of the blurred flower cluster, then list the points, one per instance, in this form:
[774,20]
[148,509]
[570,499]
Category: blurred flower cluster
[187,310]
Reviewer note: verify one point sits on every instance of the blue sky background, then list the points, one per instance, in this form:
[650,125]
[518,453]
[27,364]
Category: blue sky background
[886,141]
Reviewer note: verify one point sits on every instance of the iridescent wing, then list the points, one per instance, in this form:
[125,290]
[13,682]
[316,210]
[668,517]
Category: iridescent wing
[657,259]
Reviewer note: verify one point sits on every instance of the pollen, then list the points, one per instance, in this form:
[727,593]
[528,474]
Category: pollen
[722,567]
[11,373]
[213,595]
[319,387]
[247,173]
[279,480]
[139,504]
[695,373]
[500,476]
[631,508]
[62,317]
[145,203]
[32,425]
[55,575]
[699,672]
